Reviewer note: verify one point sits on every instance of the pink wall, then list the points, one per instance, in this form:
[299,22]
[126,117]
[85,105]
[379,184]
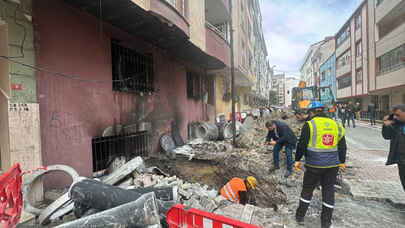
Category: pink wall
[217,47]
[72,112]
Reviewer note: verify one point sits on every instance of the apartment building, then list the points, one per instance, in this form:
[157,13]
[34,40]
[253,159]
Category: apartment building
[370,50]
[278,86]
[387,84]
[306,69]
[250,57]
[290,83]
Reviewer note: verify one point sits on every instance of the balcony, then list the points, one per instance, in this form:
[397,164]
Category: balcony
[392,40]
[389,9]
[342,70]
[154,21]
[216,44]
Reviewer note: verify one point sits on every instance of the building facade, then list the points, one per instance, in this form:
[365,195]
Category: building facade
[370,56]
[328,80]
[290,83]
[306,69]
[278,86]
[84,68]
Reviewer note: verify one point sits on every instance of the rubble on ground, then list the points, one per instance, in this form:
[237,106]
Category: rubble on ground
[204,150]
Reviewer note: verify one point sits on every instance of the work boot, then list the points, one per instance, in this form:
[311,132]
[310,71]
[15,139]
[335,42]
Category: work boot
[287,173]
[274,168]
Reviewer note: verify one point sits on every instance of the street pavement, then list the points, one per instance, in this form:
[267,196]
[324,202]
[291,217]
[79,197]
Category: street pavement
[367,175]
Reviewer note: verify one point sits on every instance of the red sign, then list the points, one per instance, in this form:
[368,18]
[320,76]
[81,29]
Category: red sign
[328,139]
[16,86]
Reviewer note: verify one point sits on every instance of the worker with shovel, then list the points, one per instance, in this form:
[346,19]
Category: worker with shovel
[323,143]
[237,189]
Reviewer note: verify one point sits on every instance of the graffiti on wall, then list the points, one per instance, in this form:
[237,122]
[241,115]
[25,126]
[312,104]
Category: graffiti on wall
[67,127]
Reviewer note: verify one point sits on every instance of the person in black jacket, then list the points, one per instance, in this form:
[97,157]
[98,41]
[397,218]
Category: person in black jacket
[394,130]
[280,135]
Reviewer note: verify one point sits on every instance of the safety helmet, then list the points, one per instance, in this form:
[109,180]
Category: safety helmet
[318,105]
[252,182]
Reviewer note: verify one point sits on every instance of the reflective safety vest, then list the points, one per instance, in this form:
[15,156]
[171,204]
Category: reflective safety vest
[322,149]
[231,190]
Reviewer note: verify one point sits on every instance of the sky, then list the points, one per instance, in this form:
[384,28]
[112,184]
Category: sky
[291,26]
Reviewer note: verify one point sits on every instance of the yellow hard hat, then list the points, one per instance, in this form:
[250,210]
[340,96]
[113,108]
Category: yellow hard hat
[251,181]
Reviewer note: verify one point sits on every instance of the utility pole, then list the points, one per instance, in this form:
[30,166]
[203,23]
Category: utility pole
[232,79]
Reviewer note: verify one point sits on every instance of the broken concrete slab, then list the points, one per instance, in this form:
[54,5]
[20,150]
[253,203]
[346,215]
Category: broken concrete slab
[125,170]
[140,213]
[204,150]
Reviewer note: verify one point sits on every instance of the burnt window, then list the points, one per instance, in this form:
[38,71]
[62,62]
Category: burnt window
[193,85]
[131,71]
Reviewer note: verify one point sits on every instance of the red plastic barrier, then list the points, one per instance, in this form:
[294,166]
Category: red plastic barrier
[11,196]
[178,217]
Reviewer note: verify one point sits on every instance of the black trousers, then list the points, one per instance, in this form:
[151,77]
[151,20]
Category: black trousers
[327,178]
[401,170]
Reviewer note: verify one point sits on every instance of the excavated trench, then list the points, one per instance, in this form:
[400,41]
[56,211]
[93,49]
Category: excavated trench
[217,174]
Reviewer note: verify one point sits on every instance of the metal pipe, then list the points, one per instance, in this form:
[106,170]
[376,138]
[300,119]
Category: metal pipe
[232,79]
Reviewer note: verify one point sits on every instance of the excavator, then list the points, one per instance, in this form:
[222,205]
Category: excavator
[303,95]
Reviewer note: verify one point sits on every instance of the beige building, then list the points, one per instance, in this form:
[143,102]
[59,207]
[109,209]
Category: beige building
[321,55]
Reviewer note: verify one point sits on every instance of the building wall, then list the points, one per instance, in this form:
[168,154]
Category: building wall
[371,40]
[222,106]
[72,112]
[197,23]
[290,83]
[330,77]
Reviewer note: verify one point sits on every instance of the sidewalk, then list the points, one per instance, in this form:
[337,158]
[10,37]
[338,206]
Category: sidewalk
[369,178]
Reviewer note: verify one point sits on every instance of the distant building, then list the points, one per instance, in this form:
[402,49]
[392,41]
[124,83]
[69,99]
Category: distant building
[328,79]
[278,85]
[306,69]
[290,83]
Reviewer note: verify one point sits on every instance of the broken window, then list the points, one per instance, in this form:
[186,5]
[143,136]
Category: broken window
[131,71]
[193,85]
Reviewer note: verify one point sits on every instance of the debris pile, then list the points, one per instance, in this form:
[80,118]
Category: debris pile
[204,150]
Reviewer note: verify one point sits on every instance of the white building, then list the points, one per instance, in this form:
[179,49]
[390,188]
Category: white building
[278,85]
[307,71]
[290,83]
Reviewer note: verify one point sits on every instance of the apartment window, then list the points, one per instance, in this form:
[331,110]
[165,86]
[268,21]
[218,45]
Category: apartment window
[131,71]
[359,49]
[323,76]
[359,76]
[393,60]
[344,59]
[330,71]
[343,35]
[193,85]
[172,2]
[379,2]
[358,21]
[345,81]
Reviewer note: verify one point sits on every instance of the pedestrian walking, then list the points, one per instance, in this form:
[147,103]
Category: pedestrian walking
[358,110]
[371,113]
[323,144]
[280,135]
[394,130]
[351,112]
[343,114]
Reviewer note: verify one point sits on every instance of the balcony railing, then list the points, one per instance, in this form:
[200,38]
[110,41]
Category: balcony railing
[219,29]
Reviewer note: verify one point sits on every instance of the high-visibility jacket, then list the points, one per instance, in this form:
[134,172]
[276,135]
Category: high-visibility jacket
[231,190]
[322,151]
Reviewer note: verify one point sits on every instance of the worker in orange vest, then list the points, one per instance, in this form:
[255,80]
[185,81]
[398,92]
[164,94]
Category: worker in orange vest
[237,189]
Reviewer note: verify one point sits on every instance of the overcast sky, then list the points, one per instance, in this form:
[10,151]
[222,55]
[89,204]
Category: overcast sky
[291,26]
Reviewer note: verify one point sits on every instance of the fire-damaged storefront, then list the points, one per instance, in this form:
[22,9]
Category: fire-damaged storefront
[114,70]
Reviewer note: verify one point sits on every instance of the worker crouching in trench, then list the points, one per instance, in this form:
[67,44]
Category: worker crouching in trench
[240,191]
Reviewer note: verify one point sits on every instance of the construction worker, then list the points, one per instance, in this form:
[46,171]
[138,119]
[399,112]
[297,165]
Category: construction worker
[237,189]
[280,135]
[323,143]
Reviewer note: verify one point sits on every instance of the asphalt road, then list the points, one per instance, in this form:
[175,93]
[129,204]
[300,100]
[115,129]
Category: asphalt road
[365,137]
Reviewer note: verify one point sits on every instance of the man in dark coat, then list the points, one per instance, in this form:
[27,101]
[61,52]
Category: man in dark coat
[394,130]
[280,135]
[371,112]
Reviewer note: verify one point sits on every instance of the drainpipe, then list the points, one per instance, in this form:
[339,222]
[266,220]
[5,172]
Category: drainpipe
[232,79]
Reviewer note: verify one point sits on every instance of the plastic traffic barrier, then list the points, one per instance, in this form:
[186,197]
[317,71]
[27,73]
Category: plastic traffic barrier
[11,196]
[179,217]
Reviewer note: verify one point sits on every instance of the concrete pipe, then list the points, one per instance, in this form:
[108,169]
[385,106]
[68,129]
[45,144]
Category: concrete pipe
[27,186]
[88,194]
[207,131]
[140,213]
[228,129]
